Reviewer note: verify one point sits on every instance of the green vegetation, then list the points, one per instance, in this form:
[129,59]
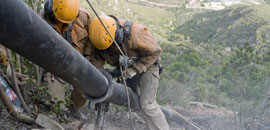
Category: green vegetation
[158,21]
[218,57]
[194,70]
[231,27]
[267,1]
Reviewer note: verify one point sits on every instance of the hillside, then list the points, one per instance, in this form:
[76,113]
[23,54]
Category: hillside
[170,2]
[220,57]
[202,50]
[159,21]
[216,65]
[232,27]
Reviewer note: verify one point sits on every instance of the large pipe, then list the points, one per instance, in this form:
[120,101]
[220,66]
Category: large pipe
[23,31]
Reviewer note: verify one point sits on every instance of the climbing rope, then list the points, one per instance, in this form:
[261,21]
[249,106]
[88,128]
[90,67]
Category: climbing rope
[105,28]
[129,109]
[188,120]
[122,72]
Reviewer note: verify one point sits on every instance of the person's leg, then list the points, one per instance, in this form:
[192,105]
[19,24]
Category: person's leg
[151,111]
[78,99]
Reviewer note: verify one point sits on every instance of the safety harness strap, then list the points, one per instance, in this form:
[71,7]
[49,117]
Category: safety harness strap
[127,33]
[67,34]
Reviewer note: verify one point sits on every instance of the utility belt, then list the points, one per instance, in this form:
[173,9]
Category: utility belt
[116,72]
[156,63]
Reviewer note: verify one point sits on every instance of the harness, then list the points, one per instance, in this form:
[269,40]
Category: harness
[122,36]
[67,34]
[127,33]
[49,15]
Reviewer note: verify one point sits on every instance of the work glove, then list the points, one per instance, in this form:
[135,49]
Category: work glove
[113,72]
[130,73]
[126,62]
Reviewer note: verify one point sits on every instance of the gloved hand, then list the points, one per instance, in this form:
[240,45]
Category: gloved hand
[130,72]
[126,62]
[113,72]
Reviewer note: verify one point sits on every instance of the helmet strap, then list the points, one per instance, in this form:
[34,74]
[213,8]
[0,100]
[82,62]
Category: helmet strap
[119,34]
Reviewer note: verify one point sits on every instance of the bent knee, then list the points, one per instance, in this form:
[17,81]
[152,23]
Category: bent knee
[150,107]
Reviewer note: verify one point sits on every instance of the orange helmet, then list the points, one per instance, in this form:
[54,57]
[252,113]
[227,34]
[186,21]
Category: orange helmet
[66,10]
[99,36]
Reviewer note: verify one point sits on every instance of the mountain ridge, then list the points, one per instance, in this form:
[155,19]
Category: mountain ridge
[231,27]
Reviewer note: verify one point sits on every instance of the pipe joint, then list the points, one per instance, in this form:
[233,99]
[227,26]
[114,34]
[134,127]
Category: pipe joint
[108,93]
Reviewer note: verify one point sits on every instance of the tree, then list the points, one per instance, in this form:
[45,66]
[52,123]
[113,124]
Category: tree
[244,78]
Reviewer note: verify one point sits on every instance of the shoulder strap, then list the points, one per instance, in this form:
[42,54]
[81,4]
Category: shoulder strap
[67,34]
[127,33]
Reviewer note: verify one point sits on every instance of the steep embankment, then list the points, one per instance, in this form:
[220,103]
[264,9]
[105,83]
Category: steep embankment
[194,71]
[158,20]
[232,27]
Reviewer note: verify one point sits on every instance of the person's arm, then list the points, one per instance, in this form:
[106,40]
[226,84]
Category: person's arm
[146,46]
[95,58]
[87,49]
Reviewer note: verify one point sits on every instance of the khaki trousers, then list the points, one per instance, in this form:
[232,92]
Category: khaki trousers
[146,85]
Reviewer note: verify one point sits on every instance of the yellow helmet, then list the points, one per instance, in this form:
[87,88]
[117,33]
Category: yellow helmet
[66,10]
[99,36]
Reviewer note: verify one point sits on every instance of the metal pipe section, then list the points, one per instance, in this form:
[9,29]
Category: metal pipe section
[23,31]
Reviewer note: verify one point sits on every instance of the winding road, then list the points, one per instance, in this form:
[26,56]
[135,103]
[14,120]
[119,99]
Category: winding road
[156,4]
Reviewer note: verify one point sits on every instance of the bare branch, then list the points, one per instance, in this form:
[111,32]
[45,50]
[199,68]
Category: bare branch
[39,72]
[18,60]
[36,110]
[33,5]
[16,87]
[190,122]
[39,76]
[39,6]
[11,110]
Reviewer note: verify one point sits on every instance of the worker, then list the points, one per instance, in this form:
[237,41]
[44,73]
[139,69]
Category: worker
[66,18]
[136,42]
